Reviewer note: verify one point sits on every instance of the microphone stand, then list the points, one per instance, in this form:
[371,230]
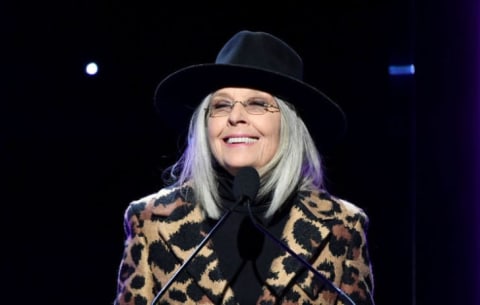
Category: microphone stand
[197,249]
[295,255]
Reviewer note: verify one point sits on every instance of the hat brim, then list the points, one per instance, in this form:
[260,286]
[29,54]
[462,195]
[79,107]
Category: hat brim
[180,93]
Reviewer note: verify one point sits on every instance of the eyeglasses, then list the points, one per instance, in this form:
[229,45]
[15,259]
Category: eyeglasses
[256,106]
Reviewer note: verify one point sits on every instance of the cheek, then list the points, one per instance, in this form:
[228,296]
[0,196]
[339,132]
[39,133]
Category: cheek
[272,133]
[274,142]
[275,134]
[213,132]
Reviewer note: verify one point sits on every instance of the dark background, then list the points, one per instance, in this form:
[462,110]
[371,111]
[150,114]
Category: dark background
[75,149]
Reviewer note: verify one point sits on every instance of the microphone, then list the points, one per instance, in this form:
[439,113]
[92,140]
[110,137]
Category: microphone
[245,187]
[246,184]
[252,177]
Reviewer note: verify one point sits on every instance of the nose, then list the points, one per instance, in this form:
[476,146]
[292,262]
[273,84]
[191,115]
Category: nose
[238,114]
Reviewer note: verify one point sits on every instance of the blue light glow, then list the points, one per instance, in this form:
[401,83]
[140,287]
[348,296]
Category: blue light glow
[401,70]
[476,140]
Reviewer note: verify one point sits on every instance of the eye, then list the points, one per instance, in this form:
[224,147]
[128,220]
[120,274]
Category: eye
[257,102]
[221,104]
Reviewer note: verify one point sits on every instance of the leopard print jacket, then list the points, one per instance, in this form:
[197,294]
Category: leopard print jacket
[164,229]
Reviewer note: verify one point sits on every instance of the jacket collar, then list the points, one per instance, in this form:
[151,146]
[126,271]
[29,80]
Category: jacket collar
[300,223]
[309,211]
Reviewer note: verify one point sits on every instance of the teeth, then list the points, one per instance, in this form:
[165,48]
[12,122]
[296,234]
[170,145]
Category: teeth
[241,140]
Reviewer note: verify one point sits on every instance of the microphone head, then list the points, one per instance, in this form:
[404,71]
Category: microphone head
[246,184]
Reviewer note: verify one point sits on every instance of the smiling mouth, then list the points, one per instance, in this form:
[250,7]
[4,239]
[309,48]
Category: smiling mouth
[246,140]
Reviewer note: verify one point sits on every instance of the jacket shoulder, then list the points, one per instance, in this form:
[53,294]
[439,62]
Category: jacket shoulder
[161,203]
[327,205]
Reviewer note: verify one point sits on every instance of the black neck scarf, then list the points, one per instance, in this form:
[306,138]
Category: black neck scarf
[245,253]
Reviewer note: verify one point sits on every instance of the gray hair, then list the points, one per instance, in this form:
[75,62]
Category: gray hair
[295,166]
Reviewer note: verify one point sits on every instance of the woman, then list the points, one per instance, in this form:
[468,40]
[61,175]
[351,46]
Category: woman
[249,116]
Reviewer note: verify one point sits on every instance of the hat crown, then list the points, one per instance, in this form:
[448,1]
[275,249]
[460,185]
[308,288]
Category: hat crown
[260,50]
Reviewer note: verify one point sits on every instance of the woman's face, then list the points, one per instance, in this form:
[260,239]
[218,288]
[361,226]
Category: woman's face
[238,138]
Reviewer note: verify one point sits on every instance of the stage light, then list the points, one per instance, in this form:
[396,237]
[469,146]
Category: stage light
[401,70]
[91,68]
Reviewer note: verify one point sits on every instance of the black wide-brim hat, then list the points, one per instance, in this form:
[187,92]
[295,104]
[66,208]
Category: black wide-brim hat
[256,60]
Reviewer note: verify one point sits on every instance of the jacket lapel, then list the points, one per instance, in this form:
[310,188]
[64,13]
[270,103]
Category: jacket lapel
[306,233]
[185,232]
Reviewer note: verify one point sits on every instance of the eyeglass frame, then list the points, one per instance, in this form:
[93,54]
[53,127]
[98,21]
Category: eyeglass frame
[265,105]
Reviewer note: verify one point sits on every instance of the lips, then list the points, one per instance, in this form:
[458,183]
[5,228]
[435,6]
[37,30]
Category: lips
[244,140]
